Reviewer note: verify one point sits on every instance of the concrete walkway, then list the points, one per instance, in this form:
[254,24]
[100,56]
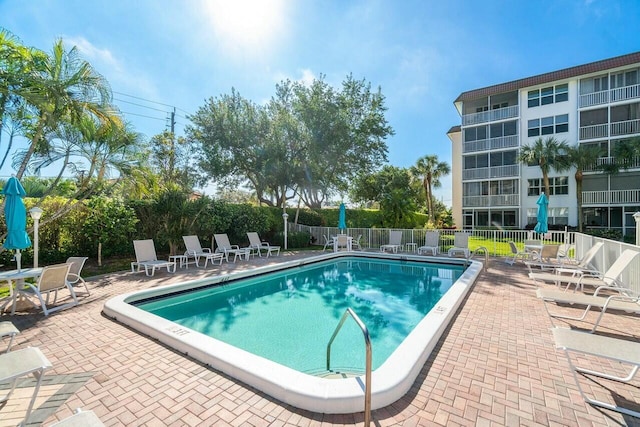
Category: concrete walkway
[495,365]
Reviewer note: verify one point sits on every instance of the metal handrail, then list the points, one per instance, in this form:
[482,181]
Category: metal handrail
[367,343]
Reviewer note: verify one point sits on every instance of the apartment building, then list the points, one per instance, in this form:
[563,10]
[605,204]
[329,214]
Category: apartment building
[595,104]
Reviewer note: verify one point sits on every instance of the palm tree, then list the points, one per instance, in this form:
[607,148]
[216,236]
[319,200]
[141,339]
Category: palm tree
[582,157]
[62,87]
[548,154]
[429,170]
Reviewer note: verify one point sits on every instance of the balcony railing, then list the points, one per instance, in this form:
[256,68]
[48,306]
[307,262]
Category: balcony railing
[493,172]
[490,201]
[612,95]
[490,115]
[604,130]
[627,127]
[612,197]
[594,131]
[493,144]
[630,164]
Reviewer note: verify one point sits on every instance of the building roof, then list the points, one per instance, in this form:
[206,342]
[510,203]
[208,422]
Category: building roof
[593,67]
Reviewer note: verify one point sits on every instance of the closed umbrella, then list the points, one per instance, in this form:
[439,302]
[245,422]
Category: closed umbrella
[342,218]
[542,226]
[15,215]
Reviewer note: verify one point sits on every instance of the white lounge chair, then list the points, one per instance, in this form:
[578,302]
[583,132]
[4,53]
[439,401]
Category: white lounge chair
[516,253]
[431,243]
[395,242]
[52,279]
[258,245]
[195,250]
[582,344]
[585,263]
[342,241]
[328,242]
[460,245]
[146,258]
[7,329]
[622,300]
[580,278]
[21,363]
[80,418]
[74,278]
[355,243]
[225,247]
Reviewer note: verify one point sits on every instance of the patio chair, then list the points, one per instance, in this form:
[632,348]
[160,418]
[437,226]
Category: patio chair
[223,246]
[7,329]
[328,242]
[52,279]
[355,244]
[517,253]
[622,300]
[20,363]
[395,242]
[580,278]
[80,418]
[602,347]
[146,258]
[585,263]
[342,241]
[549,252]
[460,245]
[195,250]
[256,244]
[74,278]
[431,243]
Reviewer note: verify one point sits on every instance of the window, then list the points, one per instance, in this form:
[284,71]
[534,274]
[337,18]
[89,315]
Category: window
[548,95]
[508,186]
[557,216]
[558,186]
[477,161]
[475,134]
[476,188]
[545,125]
[497,130]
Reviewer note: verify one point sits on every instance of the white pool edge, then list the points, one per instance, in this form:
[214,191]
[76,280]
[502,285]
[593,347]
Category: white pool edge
[389,382]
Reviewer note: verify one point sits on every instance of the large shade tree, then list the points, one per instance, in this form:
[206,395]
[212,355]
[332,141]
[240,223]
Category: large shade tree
[429,170]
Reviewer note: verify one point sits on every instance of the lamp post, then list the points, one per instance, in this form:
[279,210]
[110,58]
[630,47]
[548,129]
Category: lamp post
[36,213]
[284,217]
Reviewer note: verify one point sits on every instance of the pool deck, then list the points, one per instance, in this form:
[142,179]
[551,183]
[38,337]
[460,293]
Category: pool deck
[495,365]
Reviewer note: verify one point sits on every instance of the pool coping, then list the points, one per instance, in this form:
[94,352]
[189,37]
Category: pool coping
[389,382]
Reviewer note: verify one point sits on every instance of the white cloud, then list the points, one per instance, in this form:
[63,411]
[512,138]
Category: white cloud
[93,53]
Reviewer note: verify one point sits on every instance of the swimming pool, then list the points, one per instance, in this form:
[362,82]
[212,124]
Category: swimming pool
[391,379]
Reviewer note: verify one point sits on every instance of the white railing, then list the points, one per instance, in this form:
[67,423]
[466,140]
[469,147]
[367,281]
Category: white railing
[493,172]
[627,127]
[595,98]
[480,173]
[472,146]
[493,144]
[610,197]
[624,93]
[594,131]
[490,115]
[632,164]
[603,97]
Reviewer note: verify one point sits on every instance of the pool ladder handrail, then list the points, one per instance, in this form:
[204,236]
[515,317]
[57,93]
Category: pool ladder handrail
[367,341]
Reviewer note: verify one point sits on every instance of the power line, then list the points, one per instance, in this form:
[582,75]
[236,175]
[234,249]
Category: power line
[143,99]
[142,115]
[140,105]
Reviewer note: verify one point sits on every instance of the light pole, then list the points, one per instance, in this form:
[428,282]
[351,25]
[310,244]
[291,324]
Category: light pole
[284,217]
[636,216]
[36,213]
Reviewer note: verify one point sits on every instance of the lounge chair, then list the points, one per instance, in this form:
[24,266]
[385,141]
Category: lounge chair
[580,278]
[195,250]
[395,242]
[52,279]
[7,329]
[585,263]
[582,344]
[355,243]
[549,252]
[328,241]
[223,246]
[342,241]
[431,243]
[258,245]
[460,245]
[516,253]
[74,278]
[80,418]
[622,300]
[18,364]
[146,258]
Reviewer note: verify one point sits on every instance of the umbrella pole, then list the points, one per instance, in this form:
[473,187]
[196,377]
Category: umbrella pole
[18,259]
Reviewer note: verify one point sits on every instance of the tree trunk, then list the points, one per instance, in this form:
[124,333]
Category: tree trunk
[99,254]
[545,181]
[578,178]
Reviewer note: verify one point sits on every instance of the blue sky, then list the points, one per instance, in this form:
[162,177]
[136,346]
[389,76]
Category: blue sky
[421,53]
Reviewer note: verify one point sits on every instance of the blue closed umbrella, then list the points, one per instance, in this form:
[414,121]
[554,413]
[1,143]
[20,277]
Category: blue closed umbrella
[342,218]
[15,215]
[542,226]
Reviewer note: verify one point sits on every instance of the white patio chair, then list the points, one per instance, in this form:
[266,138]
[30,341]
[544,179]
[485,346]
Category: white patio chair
[224,246]
[431,243]
[258,245]
[74,278]
[517,253]
[8,329]
[195,250]
[52,279]
[395,242]
[355,243]
[146,258]
[460,245]
[328,242]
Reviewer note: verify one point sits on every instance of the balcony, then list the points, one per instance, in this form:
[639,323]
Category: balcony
[612,95]
[490,115]
[613,197]
[491,201]
[604,130]
[492,172]
[490,144]
[633,164]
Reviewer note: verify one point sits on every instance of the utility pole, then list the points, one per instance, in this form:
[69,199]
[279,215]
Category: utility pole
[173,120]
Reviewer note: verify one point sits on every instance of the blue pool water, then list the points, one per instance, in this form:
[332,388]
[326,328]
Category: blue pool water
[289,316]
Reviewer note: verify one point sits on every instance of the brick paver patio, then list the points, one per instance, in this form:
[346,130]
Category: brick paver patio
[495,365]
